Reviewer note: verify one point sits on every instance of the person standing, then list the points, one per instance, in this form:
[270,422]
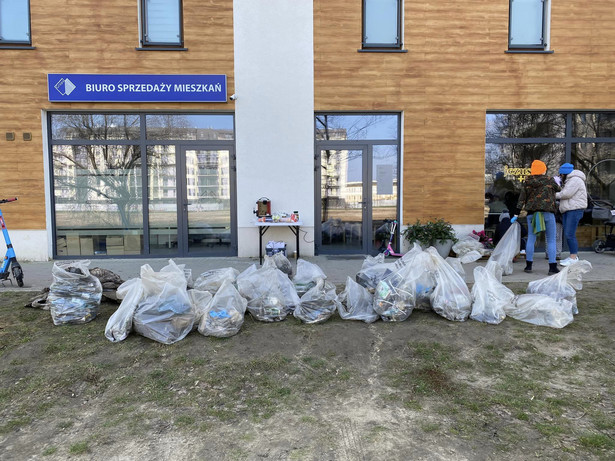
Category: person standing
[572,204]
[537,200]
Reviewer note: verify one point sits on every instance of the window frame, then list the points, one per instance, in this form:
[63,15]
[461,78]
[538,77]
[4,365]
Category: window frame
[144,43]
[535,46]
[16,43]
[385,46]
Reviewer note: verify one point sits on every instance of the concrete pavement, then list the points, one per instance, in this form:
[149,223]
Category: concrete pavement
[37,275]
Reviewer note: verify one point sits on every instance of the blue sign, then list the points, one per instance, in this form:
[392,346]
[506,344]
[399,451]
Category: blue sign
[136,88]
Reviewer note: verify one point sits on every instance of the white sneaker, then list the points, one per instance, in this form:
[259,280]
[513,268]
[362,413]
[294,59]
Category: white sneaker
[565,262]
[573,261]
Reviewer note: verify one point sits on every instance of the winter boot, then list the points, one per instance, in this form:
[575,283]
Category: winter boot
[528,267]
[553,268]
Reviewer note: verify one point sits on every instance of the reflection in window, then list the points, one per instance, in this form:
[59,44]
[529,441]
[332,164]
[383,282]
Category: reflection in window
[382,23]
[597,161]
[357,127]
[189,127]
[95,126]
[594,125]
[526,125]
[98,204]
[162,202]
[15,22]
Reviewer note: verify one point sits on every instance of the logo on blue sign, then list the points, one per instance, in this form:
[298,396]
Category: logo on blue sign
[136,88]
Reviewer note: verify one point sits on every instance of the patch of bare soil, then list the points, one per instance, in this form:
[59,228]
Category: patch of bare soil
[425,389]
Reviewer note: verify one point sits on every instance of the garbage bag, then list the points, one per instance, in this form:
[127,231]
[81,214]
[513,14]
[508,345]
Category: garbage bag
[470,257]
[356,303]
[119,324]
[373,271]
[266,301]
[489,297]
[507,248]
[451,298]
[394,298]
[469,245]
[200,302]
[153,282]
[562,285]
[281,262]
[307,275]
[457,264]
[542,310]
[166,317]
[318,304]
[212,280]
[74,296]
[224,314]
[373,260]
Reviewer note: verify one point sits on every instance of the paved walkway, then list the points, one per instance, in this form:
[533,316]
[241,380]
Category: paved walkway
[37,275]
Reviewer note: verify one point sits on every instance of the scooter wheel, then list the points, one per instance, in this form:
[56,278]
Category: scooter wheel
[599,246]
[18,275]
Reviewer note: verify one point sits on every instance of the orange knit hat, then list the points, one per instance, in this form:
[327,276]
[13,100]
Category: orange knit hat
[538,167]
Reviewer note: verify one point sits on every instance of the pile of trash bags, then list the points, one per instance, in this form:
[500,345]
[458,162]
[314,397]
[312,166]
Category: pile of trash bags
[167,305]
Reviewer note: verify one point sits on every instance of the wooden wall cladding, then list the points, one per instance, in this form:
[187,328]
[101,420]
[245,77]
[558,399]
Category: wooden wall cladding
[454,71]
[90,36]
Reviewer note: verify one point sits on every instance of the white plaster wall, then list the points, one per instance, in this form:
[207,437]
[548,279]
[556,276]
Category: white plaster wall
[274,113]
[29,245]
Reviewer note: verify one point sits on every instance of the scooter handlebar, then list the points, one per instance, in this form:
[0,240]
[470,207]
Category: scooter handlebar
[6,200]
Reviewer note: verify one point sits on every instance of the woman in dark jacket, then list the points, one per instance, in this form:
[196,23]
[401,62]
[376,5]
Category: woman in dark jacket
[538,195]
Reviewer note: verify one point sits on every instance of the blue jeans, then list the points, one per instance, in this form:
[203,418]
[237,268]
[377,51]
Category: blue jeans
[570,221]
[531,237]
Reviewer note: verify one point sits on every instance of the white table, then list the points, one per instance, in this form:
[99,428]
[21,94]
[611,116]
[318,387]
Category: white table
[264,226]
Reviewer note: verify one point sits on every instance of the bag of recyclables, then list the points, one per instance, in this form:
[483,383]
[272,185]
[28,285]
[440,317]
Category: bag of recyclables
[318,304]
[266,300]
[307,276]
[507,248]
[542,310]
[563,285]
[212,280]
[451,298]
[224,314]
[281,262]
[356,303]
[74,296]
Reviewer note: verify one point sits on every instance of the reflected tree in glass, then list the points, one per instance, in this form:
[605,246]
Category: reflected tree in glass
[95,126]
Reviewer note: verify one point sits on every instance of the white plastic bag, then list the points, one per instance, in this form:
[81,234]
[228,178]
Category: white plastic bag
[541,310]
[224,315]
[355,303]
[307,275]
[212,280]
[119,324]
[457,264]
[266,301]
[562,285]
[281,262]
[508,248]
[469,246]
[451,298]
[74,296]
[318,304]
[490,297]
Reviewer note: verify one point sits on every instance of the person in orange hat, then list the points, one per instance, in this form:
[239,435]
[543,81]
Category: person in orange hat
[537,199]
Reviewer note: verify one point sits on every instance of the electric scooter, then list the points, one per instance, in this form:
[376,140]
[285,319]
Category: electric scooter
[390,251]
[9,260]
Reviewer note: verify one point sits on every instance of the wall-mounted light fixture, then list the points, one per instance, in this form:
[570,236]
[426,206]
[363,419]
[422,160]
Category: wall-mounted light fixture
[10,136]
[27,136]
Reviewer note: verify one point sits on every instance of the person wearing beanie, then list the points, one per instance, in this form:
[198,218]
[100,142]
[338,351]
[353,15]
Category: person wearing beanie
[572,204]
[537,199]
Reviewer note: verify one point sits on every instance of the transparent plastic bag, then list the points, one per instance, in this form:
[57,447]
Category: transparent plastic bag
[119,324]
[508,248]
[167,316]
[153,282]
[369,276]
[212,280]
[224,315]
[74,296]
[542,310]
[318,304]
[490,297]
[394,298]
[451,298]
[307,275]
[281,262]
[457,264]
[562,285]
[266,301]
[200,302]
[469,246]
[356,303]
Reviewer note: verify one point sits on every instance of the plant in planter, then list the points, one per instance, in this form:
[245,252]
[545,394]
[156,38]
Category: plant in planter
[437,233]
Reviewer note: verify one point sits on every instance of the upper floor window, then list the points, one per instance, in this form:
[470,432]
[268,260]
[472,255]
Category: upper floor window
[15,22]
[528,23]
[161,23]
[382,24]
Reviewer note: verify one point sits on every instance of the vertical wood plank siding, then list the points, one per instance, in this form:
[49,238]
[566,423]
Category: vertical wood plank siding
[93,36]
[454,71]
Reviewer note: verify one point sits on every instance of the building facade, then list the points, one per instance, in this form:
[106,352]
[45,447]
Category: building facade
[350,112]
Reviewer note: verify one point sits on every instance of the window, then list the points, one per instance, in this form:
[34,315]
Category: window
[161,23]
[382,24]
[528,24]
[15,22]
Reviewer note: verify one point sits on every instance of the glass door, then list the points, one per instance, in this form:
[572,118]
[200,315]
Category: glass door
[343,200]
[207,203]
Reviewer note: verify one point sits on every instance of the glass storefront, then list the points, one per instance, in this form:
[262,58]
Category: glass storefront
[143,184]
[515,139]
